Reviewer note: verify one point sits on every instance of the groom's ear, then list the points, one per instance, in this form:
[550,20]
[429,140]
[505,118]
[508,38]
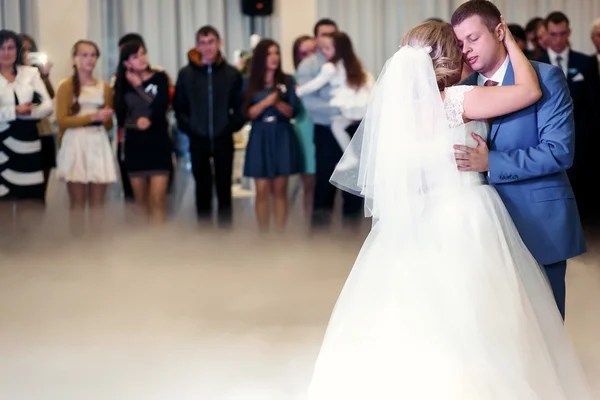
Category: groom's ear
[500,32]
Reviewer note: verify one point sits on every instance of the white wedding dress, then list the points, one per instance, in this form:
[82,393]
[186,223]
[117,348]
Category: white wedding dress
[446,304]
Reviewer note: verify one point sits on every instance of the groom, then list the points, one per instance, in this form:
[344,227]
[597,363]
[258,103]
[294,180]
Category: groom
[528,151]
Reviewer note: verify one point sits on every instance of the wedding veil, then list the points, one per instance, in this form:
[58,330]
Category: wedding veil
[404,141]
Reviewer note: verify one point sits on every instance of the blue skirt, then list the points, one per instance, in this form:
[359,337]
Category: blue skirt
[272,151]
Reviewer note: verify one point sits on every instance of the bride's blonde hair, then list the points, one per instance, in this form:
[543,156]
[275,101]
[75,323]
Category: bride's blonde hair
[445,54]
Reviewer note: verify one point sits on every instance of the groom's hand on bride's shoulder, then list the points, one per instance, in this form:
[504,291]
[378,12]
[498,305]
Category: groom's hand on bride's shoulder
[472,158]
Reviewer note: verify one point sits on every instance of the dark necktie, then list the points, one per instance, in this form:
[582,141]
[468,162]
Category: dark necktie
[559,60]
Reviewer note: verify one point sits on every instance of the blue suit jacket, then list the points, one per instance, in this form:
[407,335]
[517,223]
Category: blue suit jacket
[530,151]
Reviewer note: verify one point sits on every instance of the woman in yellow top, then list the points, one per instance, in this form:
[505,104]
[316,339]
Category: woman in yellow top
[84,115]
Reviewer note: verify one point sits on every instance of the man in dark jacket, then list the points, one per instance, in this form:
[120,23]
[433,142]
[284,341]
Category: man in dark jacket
[208,108]
[584,85]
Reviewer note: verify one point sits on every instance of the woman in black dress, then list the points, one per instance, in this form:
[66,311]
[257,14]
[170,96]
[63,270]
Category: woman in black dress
[141,104]
[273,152]
[24,100]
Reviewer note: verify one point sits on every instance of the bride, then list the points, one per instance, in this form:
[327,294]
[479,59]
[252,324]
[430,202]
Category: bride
[444,302]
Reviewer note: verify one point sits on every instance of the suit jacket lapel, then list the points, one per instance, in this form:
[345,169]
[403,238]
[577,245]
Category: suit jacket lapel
[509,79]
[471,80]
[545,58]
[571,67]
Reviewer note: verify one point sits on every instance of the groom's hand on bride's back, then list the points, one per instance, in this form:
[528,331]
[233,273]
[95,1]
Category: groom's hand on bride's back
[472,158]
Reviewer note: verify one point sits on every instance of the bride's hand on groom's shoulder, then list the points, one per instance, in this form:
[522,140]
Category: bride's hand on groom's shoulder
[473,159]
[508,36]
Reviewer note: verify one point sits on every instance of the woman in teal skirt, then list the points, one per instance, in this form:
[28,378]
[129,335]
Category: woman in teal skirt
[305,46]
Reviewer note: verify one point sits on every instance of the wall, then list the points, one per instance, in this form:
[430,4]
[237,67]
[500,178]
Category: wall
[376,27]
[292,18]
[61,24]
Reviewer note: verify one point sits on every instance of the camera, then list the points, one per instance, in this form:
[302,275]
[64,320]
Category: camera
[37,58]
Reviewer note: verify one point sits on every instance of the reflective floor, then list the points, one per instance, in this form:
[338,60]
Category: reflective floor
[118,310]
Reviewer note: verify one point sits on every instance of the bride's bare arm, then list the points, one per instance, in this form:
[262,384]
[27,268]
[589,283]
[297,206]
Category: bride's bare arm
[493,101]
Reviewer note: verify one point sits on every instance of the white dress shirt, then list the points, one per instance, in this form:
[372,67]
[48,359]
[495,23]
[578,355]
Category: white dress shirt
[564,62]
[497,77]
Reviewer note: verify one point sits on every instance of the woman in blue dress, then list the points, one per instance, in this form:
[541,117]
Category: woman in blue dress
[272,153]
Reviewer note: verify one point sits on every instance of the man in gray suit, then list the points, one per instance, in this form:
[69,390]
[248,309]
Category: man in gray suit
[328,152]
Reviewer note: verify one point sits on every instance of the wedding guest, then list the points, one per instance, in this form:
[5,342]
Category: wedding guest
[24,100]
[141,103]
[208,108]
[584,87]
[305,46]
[327,150]
[272,153]
[84,115]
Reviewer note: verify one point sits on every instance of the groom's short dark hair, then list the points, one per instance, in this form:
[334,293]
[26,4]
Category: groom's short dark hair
[486,10]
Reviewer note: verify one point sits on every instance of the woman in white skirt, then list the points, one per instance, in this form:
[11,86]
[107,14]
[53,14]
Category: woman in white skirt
[84,115]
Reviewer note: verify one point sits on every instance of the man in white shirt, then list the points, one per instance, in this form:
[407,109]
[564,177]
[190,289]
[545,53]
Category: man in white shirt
[328,151]
[527,152]
[584,86]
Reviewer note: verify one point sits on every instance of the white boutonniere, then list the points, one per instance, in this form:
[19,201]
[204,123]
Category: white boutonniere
[152,89]
[578,78]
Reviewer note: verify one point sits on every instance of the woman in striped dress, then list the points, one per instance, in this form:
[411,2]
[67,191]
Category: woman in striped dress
[24,100]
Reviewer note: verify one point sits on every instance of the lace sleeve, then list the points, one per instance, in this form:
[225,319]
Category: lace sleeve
[453,104]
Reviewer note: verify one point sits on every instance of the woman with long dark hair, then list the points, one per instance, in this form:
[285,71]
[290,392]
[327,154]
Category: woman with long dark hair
[24,100]
[141,102]
[351,88]
[272,154]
